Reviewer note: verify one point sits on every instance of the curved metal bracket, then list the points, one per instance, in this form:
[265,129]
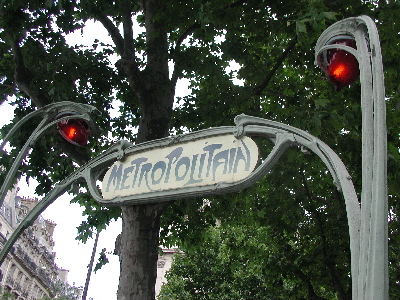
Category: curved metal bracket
[370,280]
[89,173]
[286,136]
[83,111]
[282,135]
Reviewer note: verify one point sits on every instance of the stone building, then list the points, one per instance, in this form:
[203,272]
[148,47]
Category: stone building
[29,271]
[164,262]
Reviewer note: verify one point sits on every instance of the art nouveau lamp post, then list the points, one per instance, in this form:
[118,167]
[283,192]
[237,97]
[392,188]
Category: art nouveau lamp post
[337,52]
[74,123]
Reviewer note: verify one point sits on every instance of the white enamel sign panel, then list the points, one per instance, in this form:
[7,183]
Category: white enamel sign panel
[200,162]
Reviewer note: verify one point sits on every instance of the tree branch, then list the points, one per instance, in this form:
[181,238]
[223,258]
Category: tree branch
[196,25]
[311,295]
[124,44]
[24,78]
[128,29]
[185,34]
[13,87]
[128,60]
[188,31]
[305,279]
[112,30]
[258,89]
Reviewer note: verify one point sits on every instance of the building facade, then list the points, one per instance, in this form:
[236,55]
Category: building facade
[29,271]
[164,263]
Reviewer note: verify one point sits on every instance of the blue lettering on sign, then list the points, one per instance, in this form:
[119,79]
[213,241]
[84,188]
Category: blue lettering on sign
[175,167]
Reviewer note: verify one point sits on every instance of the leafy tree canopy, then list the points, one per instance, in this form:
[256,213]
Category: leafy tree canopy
[272,43]
[243,262]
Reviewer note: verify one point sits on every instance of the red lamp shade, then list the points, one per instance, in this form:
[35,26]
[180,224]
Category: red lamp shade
[75,131]
[342,66]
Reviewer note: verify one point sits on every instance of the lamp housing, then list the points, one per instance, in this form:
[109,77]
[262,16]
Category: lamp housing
[340,66]
[74,130]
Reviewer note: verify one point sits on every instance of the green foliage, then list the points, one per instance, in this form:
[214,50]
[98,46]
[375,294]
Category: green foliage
[98,216]
[6,295]
[61,291]
[101,261]
[64,291]
[297,208]
[239,262]
[291,228]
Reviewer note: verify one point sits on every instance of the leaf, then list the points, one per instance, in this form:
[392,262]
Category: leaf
[330,15]
[301,27]
[321,103]
[51,92]
[49,3]
[103,260]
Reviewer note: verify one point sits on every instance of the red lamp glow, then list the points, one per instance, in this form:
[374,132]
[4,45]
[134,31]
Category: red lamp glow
[342,67]
[75,131]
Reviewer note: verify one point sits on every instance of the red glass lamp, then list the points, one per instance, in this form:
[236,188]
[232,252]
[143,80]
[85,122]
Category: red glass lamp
[75,131]
[341,66]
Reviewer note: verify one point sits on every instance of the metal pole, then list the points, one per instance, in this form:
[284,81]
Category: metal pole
[90,267]
[48,114]
[370,281]
[89,173]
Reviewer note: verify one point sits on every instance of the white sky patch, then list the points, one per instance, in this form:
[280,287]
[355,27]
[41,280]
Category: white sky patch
[234,67]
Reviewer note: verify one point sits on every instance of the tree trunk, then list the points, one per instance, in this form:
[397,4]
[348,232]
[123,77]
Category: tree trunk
[138,250]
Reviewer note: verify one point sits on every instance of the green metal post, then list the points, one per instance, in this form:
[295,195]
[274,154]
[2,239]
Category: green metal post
[370,270]
[48,114]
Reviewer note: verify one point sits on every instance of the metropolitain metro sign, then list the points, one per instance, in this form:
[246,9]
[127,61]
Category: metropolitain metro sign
[201,162]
